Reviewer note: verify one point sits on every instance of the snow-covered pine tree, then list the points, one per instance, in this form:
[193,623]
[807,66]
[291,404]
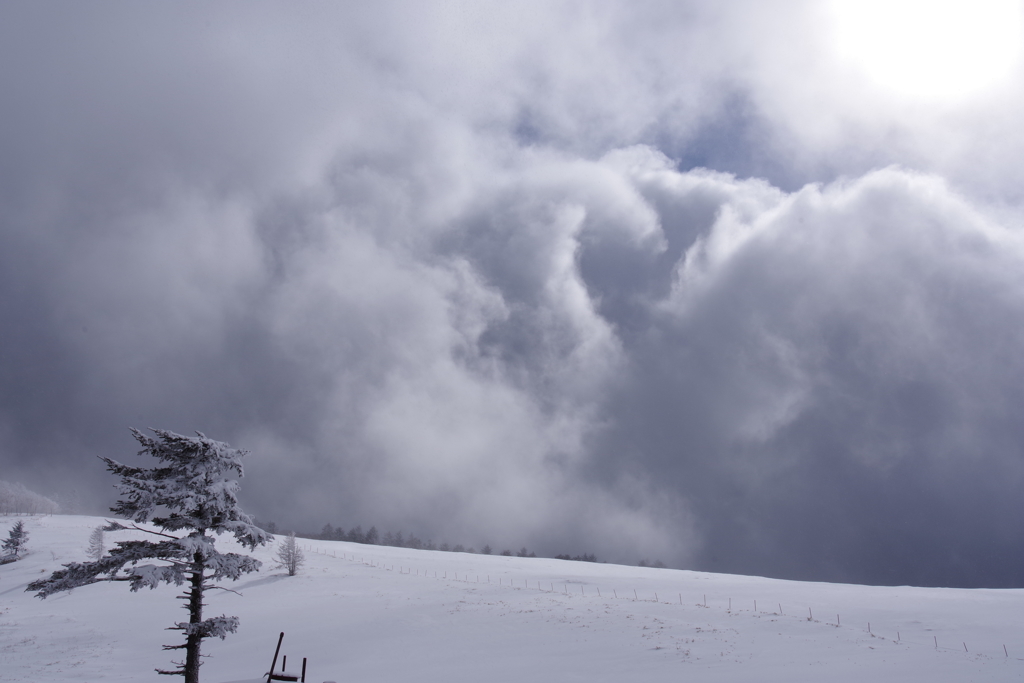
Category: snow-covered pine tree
[189,496]
[289,555]
[17,538]
[96,544]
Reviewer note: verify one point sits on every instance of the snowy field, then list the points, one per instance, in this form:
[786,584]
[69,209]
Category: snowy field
[370,613]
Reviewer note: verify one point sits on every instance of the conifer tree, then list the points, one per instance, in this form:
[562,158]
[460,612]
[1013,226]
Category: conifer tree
[289,555]
[97,547]
[17,538]
[189,496]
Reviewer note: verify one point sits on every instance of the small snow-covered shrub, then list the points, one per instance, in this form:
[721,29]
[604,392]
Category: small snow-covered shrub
[96,547]
[289,555]
[16,541]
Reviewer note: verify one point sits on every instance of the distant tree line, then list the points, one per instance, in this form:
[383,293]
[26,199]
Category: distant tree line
[15,499]
[398,540]
[578,558]
[657,564]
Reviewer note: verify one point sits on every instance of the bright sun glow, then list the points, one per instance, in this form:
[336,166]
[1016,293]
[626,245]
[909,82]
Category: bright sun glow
[944,50]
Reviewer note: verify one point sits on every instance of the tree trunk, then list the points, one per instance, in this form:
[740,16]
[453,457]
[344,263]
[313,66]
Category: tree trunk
[194,640]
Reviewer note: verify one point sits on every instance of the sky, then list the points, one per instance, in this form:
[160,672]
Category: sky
[738,286]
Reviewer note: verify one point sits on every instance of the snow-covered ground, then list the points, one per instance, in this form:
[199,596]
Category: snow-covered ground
[370,613]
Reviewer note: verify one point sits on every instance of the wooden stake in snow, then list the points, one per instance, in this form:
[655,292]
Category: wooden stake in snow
[680,598]
[936,642]
[656,598]
[1005,652]
[810,614]
[780,608]
[755,605]
[965,647]
[278,650]
[634,595]
[869,627]
[839,624]
[705,599]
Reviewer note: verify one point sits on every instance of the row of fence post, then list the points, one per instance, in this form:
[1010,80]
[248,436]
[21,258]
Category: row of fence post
[636,597]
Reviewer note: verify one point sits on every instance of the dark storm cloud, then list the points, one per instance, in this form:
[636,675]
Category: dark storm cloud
[830,383]
[412,258]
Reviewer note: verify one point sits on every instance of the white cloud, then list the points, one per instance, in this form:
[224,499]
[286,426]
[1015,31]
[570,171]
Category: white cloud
[438,262]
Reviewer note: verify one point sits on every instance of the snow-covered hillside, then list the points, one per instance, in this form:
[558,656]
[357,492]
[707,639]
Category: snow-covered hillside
[370,613]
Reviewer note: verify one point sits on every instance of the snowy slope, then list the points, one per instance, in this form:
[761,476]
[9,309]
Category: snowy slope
[369,613]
